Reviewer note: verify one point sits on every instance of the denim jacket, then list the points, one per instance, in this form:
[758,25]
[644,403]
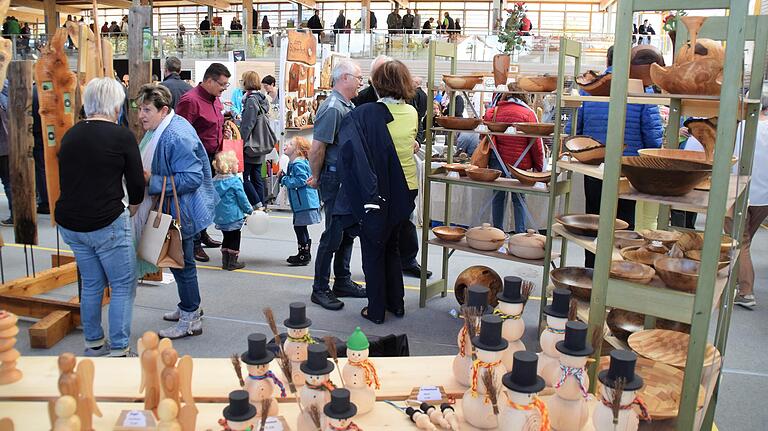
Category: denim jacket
[234,204]
[301,196]
[181,154]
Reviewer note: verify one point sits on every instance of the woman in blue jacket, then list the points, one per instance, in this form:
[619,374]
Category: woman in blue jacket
[305,203]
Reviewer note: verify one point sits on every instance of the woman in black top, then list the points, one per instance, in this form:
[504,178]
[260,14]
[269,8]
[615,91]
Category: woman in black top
[96,154]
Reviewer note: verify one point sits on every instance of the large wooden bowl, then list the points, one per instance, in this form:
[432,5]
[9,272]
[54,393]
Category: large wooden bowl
[543,129]
[577,280]
[678,273]
[663,177]
[627,238]
[666,237]
[669,347]
[543,83]
[477,275]
[461,168]
[677,154]
[691,77]
[529,178]
[585,224]
[483,174]
[623,323]
[640,254]
[725,260]
[594,83]
[449,233]
[585,149]
[662,387]
[462,82]
[496,126]
[458,123]
[632,271]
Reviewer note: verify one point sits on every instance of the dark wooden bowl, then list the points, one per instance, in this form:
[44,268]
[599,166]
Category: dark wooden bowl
[627,238]
[543,129]
[483,174]
[640,254]
[577,280]
[543,83]
[663,177]
[585,224]
[529,178]
[623,323]
[585,149]
[666,237]
[678,273]
[632,271]
[449,233]
[595,84]
[497,127]
[478,275]
[458,123]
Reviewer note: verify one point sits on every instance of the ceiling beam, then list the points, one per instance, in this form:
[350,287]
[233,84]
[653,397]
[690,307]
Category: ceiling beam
[122,4]
[306,3]
[37,4]
[216,4]
[27,15]
[604,4]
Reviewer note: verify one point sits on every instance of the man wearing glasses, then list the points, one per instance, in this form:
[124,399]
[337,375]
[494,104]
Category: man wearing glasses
[336,241]
[203,109]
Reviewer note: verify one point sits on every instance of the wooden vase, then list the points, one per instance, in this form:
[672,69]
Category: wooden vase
[500,69]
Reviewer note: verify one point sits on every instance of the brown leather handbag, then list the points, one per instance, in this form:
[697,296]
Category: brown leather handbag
[161,238]
[482,153]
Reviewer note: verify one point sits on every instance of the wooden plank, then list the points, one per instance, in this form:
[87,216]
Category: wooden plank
[50,330]
[38,307]
[22,164]
[41,5]
[51,16]
[56,89]
[45,281]
[61,259]
[216,4]
[248,24]
[140,71]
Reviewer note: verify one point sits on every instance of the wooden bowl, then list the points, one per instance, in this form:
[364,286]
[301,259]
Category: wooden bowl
[497,127]
[462,82]
[458,123]
[449,233]
[595,84]
[543,129]
[662,388]
[461,168]
[678,273]
[627,238]
[528,178]
[666,237]
[696,255]
[483,174]
[669,347]
[690,77]
[585,149]
[663,177]
[623,323]
[677,154]
[544,83]
[585,224]
[632,271]
[577,280]
[640,254]
[478,275]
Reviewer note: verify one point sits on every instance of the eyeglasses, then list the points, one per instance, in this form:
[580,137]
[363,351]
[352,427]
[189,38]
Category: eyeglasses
[224,85]
[359,78]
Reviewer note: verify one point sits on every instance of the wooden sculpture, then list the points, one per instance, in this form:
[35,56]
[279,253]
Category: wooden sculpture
[262,384]
[8,354]
[66,420]
[476,301]
[523,409]
[5,44]
[298,339]
[56,90]
[510,310]
[76,381]
[360,375]
[150,377]
[705,131]
[166,413]
[620,408]
[6,424]
[316,393]
[480,401]
[554,332]
[169,377]
[568,407]
[187,412]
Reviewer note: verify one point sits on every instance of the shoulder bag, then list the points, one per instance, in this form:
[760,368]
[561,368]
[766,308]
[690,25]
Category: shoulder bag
[263,138]
[160,242]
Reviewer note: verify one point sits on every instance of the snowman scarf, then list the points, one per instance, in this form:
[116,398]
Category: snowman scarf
[371,376]
[306,338]
[577,373]
[504,316]
[270,375]
[351,427]
[324,386]
[644,415]
[476,372]
[537,404]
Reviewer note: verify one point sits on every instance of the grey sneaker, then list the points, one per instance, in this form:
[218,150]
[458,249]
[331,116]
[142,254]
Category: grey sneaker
[91,352]
[189,324]
[123,353]
[173,316]
[747,301]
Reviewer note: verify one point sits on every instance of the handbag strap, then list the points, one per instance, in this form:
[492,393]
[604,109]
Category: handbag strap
[162,199]
[160,205]
[176,201]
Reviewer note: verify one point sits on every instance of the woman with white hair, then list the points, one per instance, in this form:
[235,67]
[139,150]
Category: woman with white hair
[96,154]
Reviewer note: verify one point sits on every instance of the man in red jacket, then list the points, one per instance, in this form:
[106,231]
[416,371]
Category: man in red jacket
[203,109]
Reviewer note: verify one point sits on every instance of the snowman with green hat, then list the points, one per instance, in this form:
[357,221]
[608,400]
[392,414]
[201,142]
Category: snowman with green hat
[359,373]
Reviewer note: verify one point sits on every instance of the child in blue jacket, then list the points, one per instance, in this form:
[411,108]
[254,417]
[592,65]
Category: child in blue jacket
[232,208]
[305,202]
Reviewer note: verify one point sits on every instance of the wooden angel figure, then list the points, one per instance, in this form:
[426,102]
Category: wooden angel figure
[176,382]
[620,408]
[76,380]
[150,375]
[360,375]
[568,407]
[8,330]
[316,393]
[261,383]
[169,377]
[167,411]
[298,339]
[66,419]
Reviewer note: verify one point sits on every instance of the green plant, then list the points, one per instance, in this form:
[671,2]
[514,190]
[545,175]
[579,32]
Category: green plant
[670,21]
[510,35]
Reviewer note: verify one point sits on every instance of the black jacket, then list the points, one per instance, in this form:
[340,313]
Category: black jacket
[420,103]
[315,24]
[370,172]
[177,86]
[366,95]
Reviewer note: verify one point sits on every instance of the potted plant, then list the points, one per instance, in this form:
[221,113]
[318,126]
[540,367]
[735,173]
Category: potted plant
[511,38]
[669,24]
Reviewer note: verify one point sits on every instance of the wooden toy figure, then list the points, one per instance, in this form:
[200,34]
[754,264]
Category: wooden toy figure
[360,375]
[619,393]
[298,339]
[557,316]
[8,355]
[176,384]
[340,411]
[510,309]
[240,413]
[316,393]
[481,407]
[568,407]
[167,411]
[474,306]
[169,377]
[420,419]
[523,409]
[65,409]
[261,383]
[79,385]
[435,416]
[150,375]
[450,415]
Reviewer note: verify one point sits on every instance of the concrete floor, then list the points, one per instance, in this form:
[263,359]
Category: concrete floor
[233,302]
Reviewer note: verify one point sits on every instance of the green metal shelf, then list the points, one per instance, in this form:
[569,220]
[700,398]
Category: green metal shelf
[487,90]
[503,184]
[463,246]
[513,135]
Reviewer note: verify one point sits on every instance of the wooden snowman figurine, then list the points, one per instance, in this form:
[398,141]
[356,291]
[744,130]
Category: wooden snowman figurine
[568,407]
[476,298]
[317,391]
[510,310]
[523,410]
[240,413]
[298,339]
[621,370]
[554,332]
[261,383]
[478,400]
[339,412]
[360,375]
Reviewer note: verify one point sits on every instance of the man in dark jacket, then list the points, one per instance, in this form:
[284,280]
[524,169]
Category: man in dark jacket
[205,25]
[315,24]
[338,26]
[372,20]
[408,20]
[394,21]
[173,81]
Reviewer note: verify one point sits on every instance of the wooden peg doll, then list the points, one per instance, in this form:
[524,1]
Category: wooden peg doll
[150,375]
[66,419]
[167,411]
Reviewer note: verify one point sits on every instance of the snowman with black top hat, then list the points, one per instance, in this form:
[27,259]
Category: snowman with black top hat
[261,383]
[339,412]
[239,414]
[481,401]
[554,332]
[619,394]
[510,310]
[523,410]
[475,305]
[568,407]
[316,392]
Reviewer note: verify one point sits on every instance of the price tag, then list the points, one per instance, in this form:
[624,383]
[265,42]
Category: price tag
[135,419]
[429,393]
[273,424]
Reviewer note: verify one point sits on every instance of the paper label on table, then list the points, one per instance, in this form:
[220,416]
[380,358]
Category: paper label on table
[429,393]
[273,424]
[135,419]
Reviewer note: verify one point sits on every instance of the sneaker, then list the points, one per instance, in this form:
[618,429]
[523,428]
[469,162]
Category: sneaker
[91,352]
[349,289]
[173,316]
[200,255]
[327,300]
[7,222]
[746,301]
[123,353]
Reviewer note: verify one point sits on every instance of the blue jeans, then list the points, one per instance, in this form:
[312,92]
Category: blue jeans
[499,203]
[186,278]
[253,183]
[335,242]
[106,256]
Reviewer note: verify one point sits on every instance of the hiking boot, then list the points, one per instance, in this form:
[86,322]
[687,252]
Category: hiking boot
[349,289]
[327,300]
[224,258]
[173,316]
[303,258]
[746,301]
[232,263]
[207,241]
[200,254]
[189,324]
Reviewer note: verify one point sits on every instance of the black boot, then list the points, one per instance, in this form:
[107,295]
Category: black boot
[232,263]
[303,258]
[207,241]
[224,258]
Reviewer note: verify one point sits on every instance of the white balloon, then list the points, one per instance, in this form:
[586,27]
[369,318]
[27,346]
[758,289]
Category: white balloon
[258,223]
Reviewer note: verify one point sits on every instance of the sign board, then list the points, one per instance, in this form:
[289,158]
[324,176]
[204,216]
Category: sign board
[302,47]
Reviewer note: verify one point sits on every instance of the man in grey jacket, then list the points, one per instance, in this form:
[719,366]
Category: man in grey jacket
[173,81]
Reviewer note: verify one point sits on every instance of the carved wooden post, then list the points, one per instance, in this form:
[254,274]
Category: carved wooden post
[139,67]
[20,142]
